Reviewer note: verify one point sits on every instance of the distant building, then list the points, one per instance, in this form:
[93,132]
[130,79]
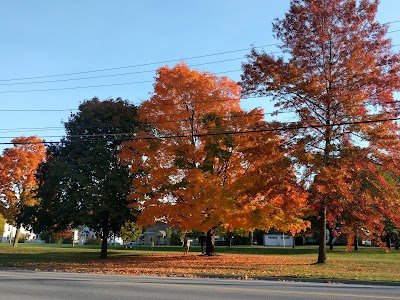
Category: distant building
[83,233]
[278,239]
[156,234]
[9,234]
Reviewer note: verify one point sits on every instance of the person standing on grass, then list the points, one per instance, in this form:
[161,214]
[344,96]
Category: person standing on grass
[185,245]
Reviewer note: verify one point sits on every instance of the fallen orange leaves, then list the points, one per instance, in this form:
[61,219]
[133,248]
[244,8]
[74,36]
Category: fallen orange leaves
[183,265]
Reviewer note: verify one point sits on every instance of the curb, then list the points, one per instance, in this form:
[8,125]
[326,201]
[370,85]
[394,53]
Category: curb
[298,279]
[239,277]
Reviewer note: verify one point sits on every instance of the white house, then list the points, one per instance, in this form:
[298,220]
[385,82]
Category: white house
[278,240]
[83,234]
[9,234]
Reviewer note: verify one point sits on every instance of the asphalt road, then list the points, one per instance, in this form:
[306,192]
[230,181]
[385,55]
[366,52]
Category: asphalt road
[42,285]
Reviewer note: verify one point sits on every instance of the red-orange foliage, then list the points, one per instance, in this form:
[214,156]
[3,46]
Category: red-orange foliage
[63,234]
[17,175]
[196,174]
[339,79]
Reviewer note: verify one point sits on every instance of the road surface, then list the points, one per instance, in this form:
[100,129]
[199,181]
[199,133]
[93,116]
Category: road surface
[50,285]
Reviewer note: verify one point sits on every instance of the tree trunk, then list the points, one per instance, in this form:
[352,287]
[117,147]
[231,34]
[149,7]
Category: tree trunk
[396,243]
[251,238]
[210,243]
[17,234]
[322,236]
[330,242]
[356,241]
[229,236]
[389,240]
[104,237]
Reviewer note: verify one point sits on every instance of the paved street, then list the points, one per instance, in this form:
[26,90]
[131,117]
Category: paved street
[41,285]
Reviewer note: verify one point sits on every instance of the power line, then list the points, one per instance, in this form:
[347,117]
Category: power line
[115,84]
[138,65]
[76,87]
[169,104]
[90,86]
[154,63]
[38,110]
[126,73]
[115,75]
[277,129]
[264,114]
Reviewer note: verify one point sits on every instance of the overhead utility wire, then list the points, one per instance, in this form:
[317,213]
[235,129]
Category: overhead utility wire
[38,110]
[284,128]
[138,65]
[119,74]
[91,86]
[129,73]
[176,104]
[155,63]
[76,87]
[100,135]
[100,85]
[114,84]
[9,130]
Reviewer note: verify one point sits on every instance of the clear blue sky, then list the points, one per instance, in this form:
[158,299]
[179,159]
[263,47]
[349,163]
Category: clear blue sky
[41,38]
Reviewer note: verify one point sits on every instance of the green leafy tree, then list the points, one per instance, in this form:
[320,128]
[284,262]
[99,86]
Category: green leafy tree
[83,181]
[176,237]
[130,231]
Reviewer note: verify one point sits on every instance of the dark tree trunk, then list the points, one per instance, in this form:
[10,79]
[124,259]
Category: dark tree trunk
[356,241]
[104,237]
[229,235]
[210,243]
[396,242]
[17,235]
[330,242]
[389,240]
[322,236]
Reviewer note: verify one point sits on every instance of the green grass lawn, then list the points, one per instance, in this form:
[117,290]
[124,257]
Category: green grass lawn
[367,264]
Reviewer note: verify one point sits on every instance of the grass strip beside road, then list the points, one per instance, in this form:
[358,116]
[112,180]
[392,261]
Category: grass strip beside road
[367,264]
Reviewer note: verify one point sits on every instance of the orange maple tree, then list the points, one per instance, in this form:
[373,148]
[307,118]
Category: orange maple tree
[17,177]
[338,78]
[201,169]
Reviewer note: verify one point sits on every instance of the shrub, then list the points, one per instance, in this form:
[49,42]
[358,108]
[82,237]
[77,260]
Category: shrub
[22,238]
[67,241]
[176,237]
[45,236]
[57,240]
[93,241]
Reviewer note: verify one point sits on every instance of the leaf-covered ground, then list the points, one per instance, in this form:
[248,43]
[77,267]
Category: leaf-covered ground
[173,264]
[367,265]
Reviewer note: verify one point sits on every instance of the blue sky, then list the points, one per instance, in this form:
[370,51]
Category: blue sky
[42,38]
